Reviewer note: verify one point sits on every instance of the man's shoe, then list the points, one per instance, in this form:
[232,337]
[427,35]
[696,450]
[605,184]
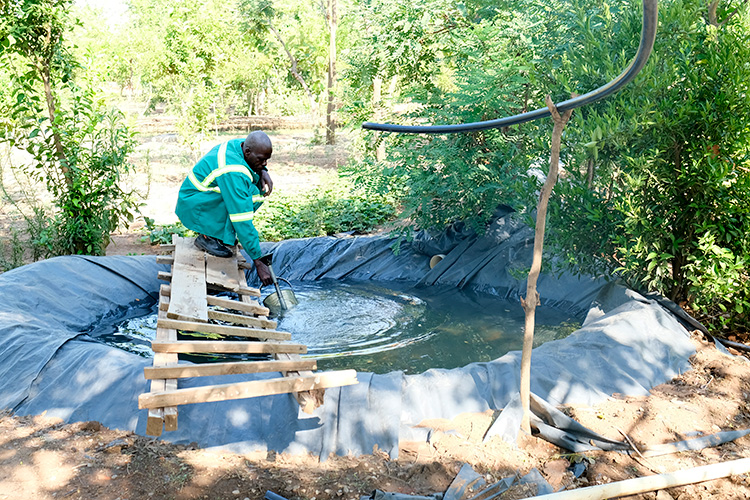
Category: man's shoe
[212,246]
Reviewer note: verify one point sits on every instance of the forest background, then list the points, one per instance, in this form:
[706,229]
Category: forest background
[655,180]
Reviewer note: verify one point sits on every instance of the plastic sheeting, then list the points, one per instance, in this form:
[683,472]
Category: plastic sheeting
[48,362]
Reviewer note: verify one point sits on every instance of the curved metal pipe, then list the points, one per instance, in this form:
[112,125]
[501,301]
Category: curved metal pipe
[648,35]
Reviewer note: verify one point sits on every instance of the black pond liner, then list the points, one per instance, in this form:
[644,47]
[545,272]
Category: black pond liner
[48,362]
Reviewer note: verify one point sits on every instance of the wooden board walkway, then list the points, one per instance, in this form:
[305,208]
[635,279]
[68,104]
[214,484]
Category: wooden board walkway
[221,325]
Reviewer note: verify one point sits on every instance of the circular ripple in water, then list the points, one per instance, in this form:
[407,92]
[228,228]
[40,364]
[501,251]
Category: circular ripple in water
[339,319]
[370,327]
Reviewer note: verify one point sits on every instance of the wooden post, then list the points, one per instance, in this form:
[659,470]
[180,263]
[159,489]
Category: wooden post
[532,296]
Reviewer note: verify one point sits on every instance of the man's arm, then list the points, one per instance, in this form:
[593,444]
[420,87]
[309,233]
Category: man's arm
[266,184]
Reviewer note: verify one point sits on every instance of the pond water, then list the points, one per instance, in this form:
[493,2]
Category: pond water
[377,328]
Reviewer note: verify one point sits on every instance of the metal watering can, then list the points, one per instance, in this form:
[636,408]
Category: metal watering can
[281,300]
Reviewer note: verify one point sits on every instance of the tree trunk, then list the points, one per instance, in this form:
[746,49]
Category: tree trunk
[590,173]
[532,297]
[377,96]
[43,68]
[295,73]
[330,111]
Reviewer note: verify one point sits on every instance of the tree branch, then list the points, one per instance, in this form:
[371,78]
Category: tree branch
[293,68]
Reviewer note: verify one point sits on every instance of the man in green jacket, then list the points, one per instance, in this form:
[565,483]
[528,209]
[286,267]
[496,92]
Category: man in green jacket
[222,192]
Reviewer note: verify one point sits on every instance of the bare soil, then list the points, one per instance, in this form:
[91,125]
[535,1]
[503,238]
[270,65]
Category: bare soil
[44,458]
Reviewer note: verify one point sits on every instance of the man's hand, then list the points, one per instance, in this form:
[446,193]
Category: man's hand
[263,273]
[266,184]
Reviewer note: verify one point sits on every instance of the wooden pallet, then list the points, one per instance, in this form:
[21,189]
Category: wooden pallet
[186,305]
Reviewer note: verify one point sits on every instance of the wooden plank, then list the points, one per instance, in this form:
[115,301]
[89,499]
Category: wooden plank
[246,290]
[159,418]
[251,306]
[167,247]
[239,331]
[241,319]
[241,390]
[165,259]
[228,346]
[188,297]
[230,368]
[164,276]
[222,272]
[248,306]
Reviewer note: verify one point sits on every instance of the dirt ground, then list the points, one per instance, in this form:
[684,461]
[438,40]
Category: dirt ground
[43,458]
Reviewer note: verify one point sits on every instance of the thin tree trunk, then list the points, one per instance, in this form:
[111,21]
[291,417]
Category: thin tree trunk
[330,116]
[294,72]
[532,296]
[51,110]
[377,96]
[590,173]
[43,66]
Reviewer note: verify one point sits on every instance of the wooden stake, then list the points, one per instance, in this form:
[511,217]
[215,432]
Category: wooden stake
[532,296]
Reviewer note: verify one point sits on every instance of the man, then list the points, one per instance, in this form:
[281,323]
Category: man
[222,192]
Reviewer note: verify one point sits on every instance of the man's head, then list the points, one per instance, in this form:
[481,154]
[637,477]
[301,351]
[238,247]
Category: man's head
[257,149]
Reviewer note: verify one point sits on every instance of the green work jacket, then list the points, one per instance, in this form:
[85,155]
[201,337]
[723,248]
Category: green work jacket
[219,197]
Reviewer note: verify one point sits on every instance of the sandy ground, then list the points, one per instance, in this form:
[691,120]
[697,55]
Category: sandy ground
[44,458]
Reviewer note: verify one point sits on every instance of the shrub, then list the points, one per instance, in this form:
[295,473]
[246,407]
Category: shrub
[331,208]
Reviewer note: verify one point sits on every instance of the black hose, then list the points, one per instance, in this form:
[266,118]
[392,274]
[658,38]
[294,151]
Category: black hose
[734,345]
[648,35]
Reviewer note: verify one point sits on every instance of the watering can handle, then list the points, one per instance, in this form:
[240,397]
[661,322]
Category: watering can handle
[280,279]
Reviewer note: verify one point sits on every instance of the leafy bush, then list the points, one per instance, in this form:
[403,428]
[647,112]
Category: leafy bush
[77,148]
[325,210]
[439,179]
[89,200]
[162,233]
[659,174]
[656,177]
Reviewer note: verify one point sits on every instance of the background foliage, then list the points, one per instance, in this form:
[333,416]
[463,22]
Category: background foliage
[659,173]
[323,211]
[75,146]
